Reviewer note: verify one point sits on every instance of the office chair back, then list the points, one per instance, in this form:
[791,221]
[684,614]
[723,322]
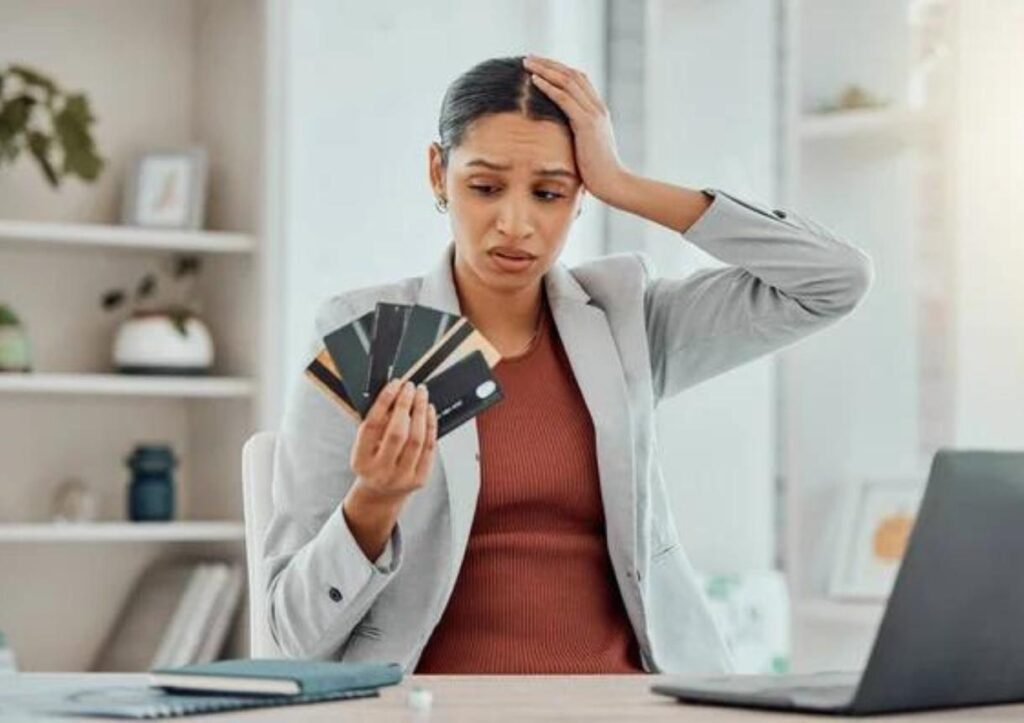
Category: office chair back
[257,473]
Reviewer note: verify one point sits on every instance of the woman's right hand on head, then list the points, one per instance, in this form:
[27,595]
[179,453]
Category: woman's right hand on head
[395,444]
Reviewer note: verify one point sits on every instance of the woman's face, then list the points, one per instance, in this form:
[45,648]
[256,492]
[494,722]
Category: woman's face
[513,192]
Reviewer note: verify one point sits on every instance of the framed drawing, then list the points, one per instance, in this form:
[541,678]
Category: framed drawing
[166,189]
[877,518]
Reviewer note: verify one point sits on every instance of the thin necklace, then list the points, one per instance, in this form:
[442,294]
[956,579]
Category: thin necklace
[536,331]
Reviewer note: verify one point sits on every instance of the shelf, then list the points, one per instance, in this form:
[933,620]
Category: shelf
[868,612]
[862,123]
[126,385]
[33,233]
[180,531]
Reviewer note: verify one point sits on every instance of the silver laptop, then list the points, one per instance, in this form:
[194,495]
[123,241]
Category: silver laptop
[953,631]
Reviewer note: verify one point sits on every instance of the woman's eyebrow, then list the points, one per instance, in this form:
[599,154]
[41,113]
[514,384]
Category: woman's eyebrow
[547,172]
[556,172]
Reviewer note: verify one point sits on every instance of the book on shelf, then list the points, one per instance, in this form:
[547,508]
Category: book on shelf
[179,613]
[144,617]
[218,629]
[171,642]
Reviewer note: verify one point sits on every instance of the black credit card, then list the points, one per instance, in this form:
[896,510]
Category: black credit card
[349,348]
[388,327]
[423,330]
[323,373]
[462,391]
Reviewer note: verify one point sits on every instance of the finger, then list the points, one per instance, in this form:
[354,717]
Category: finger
[398,427]
[562,98]
[565,82]
[572,80]
[373,426]
[417,433]
[377,417]
[426,458]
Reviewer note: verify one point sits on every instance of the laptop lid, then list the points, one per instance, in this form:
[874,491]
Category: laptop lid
[953,631]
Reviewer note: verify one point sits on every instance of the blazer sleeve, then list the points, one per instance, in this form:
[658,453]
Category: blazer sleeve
[786,277]
[320,584]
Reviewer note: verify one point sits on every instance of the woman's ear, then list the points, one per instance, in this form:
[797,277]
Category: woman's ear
[435,170]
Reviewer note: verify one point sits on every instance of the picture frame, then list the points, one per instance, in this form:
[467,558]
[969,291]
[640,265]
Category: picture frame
[876,520]
[167,189]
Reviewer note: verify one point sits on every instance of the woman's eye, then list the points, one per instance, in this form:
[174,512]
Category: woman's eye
[548,195]
[483,189]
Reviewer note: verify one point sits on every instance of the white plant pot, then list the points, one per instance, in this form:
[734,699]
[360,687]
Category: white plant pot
[152,344]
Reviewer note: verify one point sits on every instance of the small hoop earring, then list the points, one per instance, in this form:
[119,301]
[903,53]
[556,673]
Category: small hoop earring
[441,204]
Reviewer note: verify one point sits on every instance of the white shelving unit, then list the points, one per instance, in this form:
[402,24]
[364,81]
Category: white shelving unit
[876,177]
[107,236]
[159,74]
[127,386]
[181,531]
[853,124]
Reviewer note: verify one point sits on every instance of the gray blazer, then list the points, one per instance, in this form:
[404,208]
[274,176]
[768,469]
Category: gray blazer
[632,339]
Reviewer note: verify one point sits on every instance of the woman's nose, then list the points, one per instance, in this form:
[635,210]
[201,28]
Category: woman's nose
[514,218]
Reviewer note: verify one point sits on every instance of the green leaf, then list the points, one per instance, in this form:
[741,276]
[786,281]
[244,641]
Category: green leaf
[112,299]
[7,316]
[70,124]
[187,266]
[83,163]
[34,77]
[39,146]
[14,115]
[76,107]
[179,317]
[146,287]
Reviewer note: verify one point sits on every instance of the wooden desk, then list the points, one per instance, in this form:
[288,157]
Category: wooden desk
[548,698]
[623,698]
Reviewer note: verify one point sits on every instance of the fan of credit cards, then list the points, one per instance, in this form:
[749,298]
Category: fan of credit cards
[412,343]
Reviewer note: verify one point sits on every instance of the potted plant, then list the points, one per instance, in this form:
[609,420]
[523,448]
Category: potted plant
[14,348]
[51,124]
[162,333]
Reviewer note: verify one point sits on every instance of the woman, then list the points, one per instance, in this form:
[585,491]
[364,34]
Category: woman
[536,538]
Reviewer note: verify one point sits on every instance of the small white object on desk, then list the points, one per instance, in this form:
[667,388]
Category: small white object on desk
[420,699]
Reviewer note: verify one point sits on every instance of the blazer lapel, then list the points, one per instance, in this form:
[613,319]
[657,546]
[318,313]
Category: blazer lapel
[594,358]
[459,450]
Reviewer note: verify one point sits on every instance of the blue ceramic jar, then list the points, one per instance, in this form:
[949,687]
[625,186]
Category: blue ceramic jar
[151,490]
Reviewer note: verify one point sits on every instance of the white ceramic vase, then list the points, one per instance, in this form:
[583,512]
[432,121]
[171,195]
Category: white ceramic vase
[151,343]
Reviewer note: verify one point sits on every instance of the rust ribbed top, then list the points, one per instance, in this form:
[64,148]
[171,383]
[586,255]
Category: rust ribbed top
[536,592]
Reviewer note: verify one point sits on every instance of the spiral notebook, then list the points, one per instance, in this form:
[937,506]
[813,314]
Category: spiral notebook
[128,697]
[138,703]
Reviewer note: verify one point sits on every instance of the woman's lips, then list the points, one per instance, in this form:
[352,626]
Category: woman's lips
[506,262]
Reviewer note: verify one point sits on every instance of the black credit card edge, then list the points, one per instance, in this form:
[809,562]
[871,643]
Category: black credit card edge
[351,381]
[324,376]
[475,363]
[382,350]
[423,323]
[442,352]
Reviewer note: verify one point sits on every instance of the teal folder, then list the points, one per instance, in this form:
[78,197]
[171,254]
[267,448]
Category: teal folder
[320,682]
[276,677]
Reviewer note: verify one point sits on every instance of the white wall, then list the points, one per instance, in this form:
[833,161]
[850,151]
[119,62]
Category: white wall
[990,225]
[363,84]
[711,121]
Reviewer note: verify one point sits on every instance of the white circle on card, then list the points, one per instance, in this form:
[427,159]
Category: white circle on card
[486,389]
